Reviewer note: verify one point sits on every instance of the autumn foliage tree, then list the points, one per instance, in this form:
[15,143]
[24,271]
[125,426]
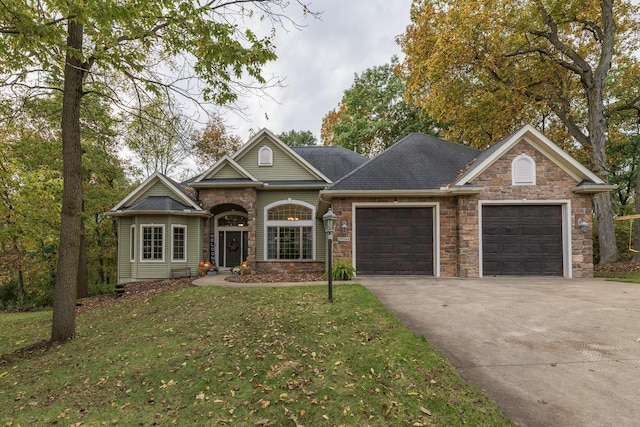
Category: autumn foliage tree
[213,142]
[373,114]
[126,52]
[567,66]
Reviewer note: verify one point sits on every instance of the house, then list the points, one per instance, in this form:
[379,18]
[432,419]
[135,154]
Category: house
[422,207]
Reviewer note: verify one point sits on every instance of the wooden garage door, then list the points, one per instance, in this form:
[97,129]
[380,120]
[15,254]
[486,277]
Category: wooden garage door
[523,240]
[394,241]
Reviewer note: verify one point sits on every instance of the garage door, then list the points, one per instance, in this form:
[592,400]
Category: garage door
[523,240]
[394,241]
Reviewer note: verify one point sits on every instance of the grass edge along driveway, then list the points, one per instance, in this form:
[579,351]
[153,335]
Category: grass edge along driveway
[242,356]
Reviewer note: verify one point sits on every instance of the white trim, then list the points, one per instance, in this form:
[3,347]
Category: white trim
[148,183]
[141,241]
[301,223]
[217,229]
[436,226]
[284,147]
[226,160]
[533,137]
[523,170]
[265,159]
[173,258]
[567,260]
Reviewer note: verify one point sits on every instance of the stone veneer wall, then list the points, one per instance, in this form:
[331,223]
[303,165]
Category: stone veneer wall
[290,266]
[459,216]
[552,183]
[245,197]
[448,245]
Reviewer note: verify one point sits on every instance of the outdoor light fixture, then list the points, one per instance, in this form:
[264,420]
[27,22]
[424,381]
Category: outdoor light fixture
[582,225]
[345,228]
[329,220]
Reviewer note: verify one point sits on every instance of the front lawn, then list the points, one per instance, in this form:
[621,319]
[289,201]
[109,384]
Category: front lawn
[235,356]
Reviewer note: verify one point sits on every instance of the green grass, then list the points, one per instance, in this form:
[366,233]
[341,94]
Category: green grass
[235,356]
[619,276]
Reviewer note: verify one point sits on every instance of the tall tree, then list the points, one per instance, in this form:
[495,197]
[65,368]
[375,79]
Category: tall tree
[158,137]
[488,67]
[212,142]
[373,114]
[127,52]
[295,138]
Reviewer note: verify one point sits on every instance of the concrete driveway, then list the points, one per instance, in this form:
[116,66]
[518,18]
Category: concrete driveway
[549,352]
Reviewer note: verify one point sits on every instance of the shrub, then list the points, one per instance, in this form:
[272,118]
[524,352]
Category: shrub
[343,270]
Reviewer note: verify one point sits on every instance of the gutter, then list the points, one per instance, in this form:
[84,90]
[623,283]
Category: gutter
[593,188]
[324,200]
[186,212]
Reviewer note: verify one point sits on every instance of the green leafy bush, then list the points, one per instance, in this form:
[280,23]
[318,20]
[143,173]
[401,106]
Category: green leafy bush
[343,270]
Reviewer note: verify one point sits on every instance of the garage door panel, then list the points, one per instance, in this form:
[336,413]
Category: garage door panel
[394,241]
[522,240]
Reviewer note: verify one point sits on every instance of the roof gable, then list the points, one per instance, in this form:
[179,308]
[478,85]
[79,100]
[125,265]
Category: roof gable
[287,165]
[158,186]
[536,139]
[416,162]
[225,168]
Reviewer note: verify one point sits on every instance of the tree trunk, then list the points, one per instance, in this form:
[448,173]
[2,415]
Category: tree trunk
[64,295]
[603,207]
[83,277]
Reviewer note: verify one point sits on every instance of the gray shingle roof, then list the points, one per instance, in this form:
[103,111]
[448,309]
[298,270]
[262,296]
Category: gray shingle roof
[485,154]
[159,203]
[418,161]
[332,161]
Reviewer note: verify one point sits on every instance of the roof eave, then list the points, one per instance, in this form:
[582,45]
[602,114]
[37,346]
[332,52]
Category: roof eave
[199,185]
[268,186]
[444,191]
[185,212]
[593,188]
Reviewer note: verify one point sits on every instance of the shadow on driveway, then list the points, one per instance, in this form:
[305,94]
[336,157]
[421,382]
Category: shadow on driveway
[549,352]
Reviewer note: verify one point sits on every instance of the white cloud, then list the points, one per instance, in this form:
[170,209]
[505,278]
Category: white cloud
[319,62]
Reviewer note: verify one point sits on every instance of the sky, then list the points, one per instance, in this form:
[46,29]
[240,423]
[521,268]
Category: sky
[318,63]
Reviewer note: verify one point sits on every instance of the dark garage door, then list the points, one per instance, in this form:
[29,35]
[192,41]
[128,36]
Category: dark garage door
[523,240]
[394,241]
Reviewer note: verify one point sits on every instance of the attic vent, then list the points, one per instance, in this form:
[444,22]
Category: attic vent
[523,170]
[265,157]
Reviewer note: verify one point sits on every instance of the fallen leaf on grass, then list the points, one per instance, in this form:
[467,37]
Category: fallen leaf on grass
[425,411]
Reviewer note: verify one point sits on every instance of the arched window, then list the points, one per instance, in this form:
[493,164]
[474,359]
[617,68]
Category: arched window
[523,170]
[265,157]
[289,230]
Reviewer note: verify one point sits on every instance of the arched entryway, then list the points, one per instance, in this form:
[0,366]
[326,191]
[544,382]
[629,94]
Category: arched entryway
[229,238]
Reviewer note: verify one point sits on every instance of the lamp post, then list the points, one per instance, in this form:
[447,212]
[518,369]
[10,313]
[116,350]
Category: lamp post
[329,220]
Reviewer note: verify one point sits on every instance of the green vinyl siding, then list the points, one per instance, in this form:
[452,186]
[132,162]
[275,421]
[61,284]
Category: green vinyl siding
[157,189]
[228,172]
[124,249]
[152,269]
[266,198]
[284,168]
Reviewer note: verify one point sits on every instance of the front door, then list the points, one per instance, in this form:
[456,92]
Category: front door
[232,242]
[232,247]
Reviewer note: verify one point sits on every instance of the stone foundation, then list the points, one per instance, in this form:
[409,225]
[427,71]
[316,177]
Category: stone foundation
[265,267]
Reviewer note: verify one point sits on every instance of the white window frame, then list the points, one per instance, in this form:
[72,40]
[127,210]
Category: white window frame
[184,249]
[300,223]
[152,226]
[520,176]
[132,243]
[265,156]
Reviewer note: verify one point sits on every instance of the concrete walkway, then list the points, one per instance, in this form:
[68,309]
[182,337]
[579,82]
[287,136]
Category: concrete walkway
[549,352]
